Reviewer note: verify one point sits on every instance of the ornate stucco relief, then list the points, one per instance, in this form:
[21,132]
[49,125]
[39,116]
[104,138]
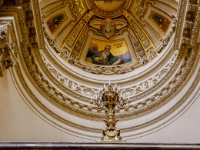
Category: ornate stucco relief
[137,89]
[64,89]
[8,56]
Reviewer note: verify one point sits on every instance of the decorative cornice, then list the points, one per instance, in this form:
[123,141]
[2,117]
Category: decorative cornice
[137,88]
[180,22]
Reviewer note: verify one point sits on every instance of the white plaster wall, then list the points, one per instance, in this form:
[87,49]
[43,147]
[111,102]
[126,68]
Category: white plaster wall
[183,130]
[19,123]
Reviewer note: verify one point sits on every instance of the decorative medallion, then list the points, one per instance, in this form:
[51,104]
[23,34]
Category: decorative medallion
[108,8]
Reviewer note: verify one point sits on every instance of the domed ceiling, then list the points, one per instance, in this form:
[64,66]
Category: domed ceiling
[147,47]
[134,30]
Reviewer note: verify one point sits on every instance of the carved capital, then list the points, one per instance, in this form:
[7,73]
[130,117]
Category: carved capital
[4,33]
[7,58]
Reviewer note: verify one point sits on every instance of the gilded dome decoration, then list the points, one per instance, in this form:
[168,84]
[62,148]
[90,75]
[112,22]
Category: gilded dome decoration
[147,47]
[105,8]
[139,24]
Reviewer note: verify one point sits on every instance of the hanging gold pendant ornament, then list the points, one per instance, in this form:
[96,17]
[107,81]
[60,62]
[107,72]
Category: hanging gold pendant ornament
[108,98]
